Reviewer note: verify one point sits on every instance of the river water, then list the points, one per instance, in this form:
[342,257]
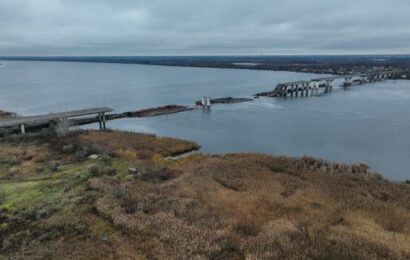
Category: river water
[368,123]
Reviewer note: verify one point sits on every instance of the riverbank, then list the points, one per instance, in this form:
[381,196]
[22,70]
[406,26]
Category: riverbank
[108,194]
[325,64]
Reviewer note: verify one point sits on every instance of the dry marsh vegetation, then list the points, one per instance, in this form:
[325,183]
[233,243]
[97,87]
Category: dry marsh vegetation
[234,206]
[142,145]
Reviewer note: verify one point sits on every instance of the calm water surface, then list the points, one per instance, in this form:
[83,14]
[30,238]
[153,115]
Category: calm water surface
[369,123]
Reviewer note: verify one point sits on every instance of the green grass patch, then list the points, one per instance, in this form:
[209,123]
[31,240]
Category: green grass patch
[50,190]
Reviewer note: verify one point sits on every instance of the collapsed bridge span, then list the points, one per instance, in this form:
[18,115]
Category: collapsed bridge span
[312,87]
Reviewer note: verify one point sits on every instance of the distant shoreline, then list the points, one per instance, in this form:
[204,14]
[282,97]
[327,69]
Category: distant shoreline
[336,65]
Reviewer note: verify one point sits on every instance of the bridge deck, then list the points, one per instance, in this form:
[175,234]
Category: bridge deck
[294,82]
[42,119]
[328,78]
[337,77]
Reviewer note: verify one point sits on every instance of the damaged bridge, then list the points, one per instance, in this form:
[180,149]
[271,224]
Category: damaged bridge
[312,87]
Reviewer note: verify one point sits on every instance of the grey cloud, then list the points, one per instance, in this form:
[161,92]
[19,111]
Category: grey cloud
[136,27]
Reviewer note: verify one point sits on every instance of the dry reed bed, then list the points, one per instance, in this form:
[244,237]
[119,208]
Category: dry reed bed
[258,206]
[235,206]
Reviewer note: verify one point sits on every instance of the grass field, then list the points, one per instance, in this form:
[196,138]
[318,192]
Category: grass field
[127,201]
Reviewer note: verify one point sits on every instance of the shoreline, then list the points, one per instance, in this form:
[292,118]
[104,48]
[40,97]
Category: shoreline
[333,65]
[329,166]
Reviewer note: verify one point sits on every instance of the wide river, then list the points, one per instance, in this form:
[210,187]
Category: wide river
[368,123]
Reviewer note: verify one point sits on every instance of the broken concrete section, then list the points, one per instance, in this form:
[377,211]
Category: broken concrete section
[225,100]
[157,111]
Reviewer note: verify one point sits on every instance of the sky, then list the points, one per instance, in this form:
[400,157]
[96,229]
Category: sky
[203,27]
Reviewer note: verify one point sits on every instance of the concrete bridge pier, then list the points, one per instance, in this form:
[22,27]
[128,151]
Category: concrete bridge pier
[279,92]
[23,129]
[283,91]
[348,81]
[314,86]
[305,89]
[379,77]
[102,121]
[328,86]
[288,91]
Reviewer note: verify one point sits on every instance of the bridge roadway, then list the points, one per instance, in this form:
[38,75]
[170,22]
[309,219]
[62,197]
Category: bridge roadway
[23,122]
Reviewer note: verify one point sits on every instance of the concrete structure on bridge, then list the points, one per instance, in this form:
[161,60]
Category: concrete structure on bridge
[53,118]
[312,87]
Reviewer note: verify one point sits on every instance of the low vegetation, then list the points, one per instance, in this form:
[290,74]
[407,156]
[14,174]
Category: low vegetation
[114,195]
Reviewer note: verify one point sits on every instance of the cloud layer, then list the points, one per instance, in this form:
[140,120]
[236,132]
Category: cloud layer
[162,27]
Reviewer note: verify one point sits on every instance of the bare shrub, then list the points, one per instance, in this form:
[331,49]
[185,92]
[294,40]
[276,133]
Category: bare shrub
[53,166]
[394,219]
[68,148]
[145,154]
[162,174]
[96,169]
[247,227]
[61,127]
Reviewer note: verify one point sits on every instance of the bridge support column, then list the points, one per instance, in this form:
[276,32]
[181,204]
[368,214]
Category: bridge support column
[103,121]
[327,86]
[348,81]
[315,88]
[100,121]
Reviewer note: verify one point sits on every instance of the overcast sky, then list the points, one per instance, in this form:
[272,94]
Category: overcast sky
[161,27]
